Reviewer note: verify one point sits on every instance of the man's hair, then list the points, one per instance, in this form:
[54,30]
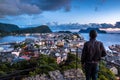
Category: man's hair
[93,34]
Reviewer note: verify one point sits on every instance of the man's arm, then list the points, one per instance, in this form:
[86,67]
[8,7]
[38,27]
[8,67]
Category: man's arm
[83,56]
[103,54]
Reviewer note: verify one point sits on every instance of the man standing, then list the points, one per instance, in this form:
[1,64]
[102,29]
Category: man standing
[92,52]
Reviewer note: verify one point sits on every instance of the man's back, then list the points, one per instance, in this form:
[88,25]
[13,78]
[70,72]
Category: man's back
[92,51]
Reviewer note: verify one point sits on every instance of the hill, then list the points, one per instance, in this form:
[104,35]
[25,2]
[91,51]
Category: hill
[8,27]
[88,30]
[39,29]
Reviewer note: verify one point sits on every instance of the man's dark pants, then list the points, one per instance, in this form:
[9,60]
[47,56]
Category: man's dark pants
[91,71]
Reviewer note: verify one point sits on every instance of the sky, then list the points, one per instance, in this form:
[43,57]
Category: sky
[38,12]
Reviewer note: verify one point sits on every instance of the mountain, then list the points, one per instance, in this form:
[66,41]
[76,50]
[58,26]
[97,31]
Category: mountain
[88,30]
[8,27]
[117,24]
[39,29]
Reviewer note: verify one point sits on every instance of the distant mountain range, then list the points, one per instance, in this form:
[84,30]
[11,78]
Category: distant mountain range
[11,28]
[88,30]
[73,27]
[77,26]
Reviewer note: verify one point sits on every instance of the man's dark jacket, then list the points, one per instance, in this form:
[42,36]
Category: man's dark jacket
[93,50]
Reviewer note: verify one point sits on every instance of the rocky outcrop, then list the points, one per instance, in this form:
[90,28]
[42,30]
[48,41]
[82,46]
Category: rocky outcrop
[56,75]
[71,74]
[37,77]
[74,74]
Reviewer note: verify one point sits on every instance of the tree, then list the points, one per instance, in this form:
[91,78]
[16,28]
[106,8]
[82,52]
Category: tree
[70,63]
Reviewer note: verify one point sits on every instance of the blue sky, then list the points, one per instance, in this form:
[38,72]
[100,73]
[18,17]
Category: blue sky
[38,12]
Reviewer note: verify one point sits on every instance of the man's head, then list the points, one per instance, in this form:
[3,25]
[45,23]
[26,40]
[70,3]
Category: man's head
[93,34]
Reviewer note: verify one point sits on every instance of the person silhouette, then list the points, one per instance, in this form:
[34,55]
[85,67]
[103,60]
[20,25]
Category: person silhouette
[92,52]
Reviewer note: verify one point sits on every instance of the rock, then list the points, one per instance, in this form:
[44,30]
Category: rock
[74,74]
[56,75]
[44,77]
[37,77]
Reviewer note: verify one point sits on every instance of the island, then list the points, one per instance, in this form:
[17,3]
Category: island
[88,30]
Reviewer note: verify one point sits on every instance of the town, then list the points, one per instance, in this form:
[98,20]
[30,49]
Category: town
[52,44]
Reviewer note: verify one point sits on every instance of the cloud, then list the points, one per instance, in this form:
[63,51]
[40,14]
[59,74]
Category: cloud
[46,5]
[19,7]
[31,7]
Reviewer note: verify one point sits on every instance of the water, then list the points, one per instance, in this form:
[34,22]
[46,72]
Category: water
[107,39]
[14,38]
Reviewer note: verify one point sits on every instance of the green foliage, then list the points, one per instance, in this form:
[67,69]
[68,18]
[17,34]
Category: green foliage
[71,57]
[5,67]
[45,63]
[19,45]
[102,77]
[32,62]
[105,73]
[46,68]
[70,63]
[32,73]
[37,46]
[2,73]
[16,46]
[23,45]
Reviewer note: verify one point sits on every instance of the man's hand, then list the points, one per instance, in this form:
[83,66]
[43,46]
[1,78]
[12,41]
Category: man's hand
[83,67]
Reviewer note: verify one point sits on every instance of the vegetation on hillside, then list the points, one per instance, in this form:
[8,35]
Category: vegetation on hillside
[105,73]
[44,64]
